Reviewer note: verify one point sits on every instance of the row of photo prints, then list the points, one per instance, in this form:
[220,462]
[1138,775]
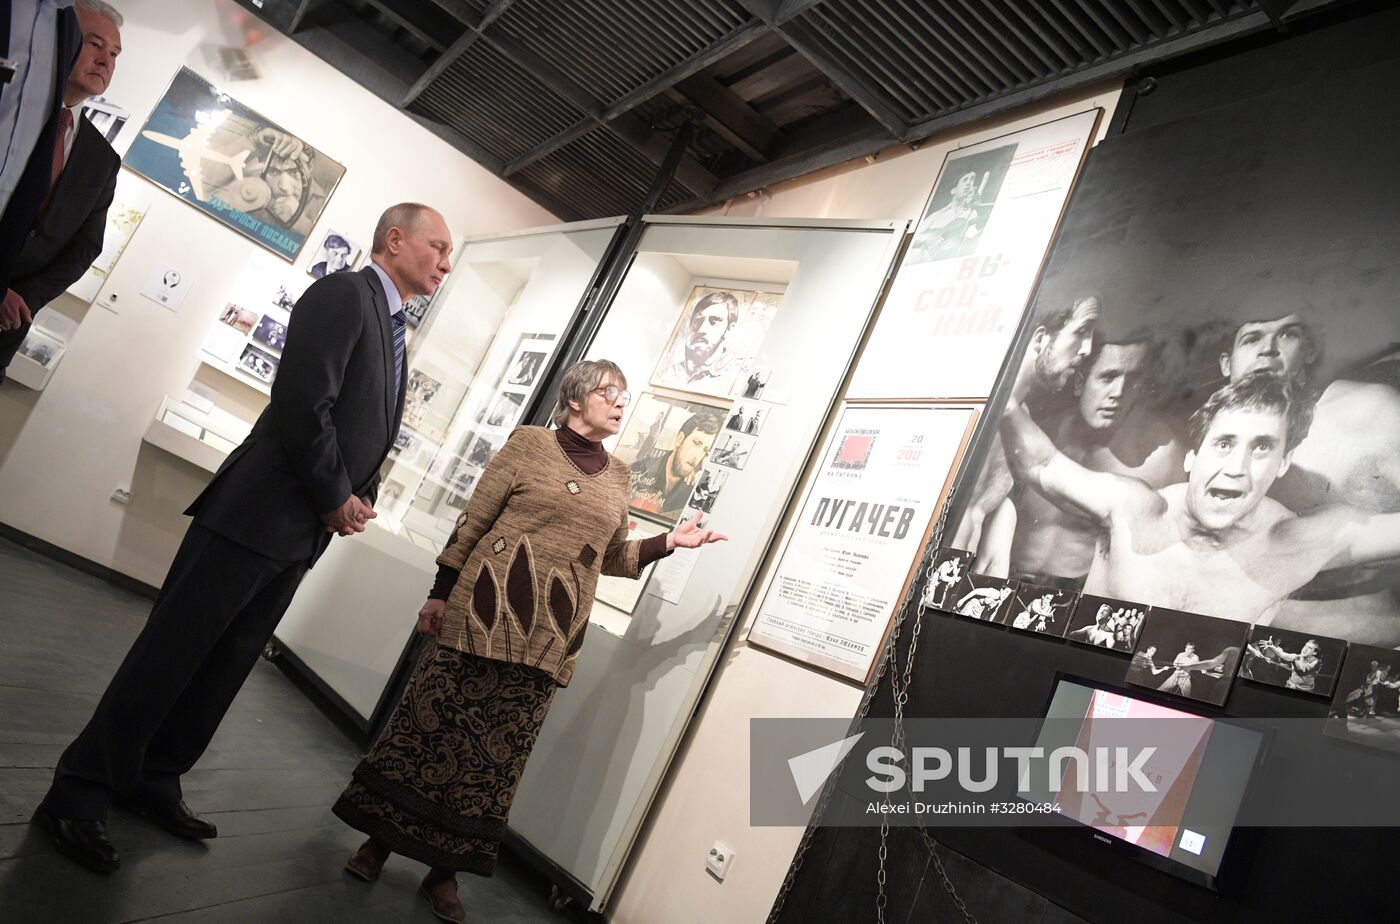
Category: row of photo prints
[1187,654]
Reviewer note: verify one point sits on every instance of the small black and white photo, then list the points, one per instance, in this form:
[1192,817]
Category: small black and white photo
[1366,707]
[984,597]
[1293,660]
[961,205]
[707,488]
[1102,622]
[481,452]
[271,332]
[746,417]
[259,364]
[415,309]
[40,347]
[750,384]
[1039,609]
[525,368]
[336,254]
[405,439]
[732,450]
[1188,655]
[949,570]
[503,410]
[283,297]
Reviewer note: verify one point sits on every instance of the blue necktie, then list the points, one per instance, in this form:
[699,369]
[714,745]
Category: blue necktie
[398,321]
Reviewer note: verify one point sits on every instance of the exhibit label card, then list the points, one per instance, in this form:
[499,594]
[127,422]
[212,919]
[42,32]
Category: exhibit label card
[964,283]
[862,524]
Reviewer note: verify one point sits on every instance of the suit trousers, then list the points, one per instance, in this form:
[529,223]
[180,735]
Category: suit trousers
[212,618]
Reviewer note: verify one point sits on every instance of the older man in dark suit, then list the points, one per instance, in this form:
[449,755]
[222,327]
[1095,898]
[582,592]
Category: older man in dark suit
[309,469]
[80,170]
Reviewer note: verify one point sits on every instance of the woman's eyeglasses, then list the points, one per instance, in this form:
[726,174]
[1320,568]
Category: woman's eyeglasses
[611,394]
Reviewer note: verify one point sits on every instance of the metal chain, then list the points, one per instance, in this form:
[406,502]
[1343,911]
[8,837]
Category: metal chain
[899,688]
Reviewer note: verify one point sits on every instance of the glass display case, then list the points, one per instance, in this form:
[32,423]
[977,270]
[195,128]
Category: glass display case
[481,350]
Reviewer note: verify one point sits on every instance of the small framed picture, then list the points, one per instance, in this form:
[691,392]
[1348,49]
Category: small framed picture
[239,318]
[1042,610]
[1293,660]
[1187,654]
[41,348]
[260,364]
[271,332]
[1366,707]
[336,254]
[1103,622]
[985,597]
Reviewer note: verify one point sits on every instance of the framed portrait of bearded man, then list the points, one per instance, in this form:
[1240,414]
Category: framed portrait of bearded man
[1202,409]
[234,165]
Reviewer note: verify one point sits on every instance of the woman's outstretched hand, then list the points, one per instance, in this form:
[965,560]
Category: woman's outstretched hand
[430,617]
[692,535]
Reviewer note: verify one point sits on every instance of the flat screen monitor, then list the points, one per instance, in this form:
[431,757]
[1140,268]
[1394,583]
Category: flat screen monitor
[1201,768]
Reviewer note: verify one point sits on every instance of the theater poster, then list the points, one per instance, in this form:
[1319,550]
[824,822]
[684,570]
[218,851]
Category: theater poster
[962,287]
[866,516]
[234,165]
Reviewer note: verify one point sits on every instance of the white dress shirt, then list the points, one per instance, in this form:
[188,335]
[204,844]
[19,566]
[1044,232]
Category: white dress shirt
[25,101]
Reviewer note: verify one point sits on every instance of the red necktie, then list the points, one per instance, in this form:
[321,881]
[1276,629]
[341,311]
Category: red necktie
[65,122]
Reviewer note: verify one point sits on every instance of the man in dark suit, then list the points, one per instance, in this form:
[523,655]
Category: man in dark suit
[42,38]
[309,469]
[81,174]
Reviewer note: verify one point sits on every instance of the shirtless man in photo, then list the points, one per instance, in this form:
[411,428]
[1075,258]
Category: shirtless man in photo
[1216,544]
[1351,457]
[1032,539]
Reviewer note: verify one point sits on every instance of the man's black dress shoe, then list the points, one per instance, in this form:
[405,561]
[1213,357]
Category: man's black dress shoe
[82,840]
[174,817]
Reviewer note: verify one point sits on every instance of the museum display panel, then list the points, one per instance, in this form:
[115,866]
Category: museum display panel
[735,337]
[490,333]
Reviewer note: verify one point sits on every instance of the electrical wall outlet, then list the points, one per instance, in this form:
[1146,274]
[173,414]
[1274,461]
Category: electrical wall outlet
[122,495]
[719,860]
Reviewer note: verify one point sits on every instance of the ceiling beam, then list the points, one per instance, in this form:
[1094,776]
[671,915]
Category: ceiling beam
[455,51]
[798,36]
[736,39]
[651,144]
[415,17]
[729,116]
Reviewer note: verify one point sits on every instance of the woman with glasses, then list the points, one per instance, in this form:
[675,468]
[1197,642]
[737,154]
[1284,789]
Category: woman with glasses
[508,611]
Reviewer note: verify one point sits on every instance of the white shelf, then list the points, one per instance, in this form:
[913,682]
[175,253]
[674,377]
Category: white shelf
[233,372]
[25,371]
[193,449]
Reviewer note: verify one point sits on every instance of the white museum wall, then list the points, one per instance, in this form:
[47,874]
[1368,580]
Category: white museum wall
[65,449]
[705,798]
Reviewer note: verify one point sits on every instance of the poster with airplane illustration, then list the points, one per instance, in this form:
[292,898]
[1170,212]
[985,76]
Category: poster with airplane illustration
[234,165]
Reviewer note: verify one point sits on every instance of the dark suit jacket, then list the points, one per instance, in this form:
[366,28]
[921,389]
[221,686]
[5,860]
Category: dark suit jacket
[63,243]
[329,427]
[34,182]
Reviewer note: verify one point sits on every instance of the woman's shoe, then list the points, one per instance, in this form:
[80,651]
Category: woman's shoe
[440,886]
[367,861]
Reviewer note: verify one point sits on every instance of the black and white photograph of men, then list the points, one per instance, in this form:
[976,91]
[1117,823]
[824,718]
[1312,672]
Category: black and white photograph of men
[481,452]
[1293,660]
[958,211]
[1042,610]
[1214,427]
[746,417]
[1104,623]
[1191,655]
[336,254]
[750,384]
[707,489]
[984,597]
[259,364]
[271,332]
[717,335]
[1366,707]
[40,347]
[733,451]
[949,568]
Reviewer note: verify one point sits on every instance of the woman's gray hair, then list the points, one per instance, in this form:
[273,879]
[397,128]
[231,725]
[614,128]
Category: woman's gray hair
[101,8]
[579,379]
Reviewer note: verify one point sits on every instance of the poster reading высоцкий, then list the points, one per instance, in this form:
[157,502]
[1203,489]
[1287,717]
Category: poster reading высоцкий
[865,518]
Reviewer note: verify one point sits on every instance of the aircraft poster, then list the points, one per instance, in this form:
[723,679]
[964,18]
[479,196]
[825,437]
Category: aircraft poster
[234,165]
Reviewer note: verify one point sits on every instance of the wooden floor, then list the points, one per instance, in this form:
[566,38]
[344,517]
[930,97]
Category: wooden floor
[268,781]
